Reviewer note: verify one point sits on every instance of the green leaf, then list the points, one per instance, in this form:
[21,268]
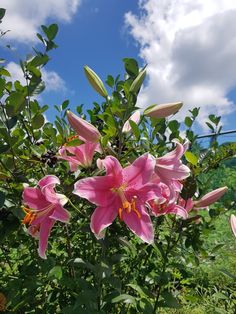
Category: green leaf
[190,157]
[39,60]
[173,125]
[188,122]
[135,129]
[227,273]
[59,128]
[126,298]
[4,72]
[2,13]
[2,199]
[210,126]
[38,150]
[4,148]
[55,272]
[2,85]
[33,70]
[110,81]
[65,104]
[38,121]
[11,122]
[131,66]
[195,112]
[140,290]
[169,301]
[14,103]
[52,31]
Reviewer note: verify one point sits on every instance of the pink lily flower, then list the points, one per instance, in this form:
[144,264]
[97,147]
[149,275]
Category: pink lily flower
[233,224]
[121,192]
[169,205]
[85,130]
[134,117]
[81,155]
[44,207]
[210,197]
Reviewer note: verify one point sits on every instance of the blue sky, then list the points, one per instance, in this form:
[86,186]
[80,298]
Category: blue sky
[189,48]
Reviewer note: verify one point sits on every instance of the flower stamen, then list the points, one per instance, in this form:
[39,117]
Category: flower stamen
[32,214]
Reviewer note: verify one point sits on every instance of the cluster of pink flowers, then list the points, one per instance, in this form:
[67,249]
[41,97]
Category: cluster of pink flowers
[148,187]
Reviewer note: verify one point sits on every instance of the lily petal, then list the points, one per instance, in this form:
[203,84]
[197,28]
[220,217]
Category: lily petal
[101,218]
[97,190]
[34,198]
[112,167]
[140,172]
[141,226]
[60,214]
[48,180]
[44,232]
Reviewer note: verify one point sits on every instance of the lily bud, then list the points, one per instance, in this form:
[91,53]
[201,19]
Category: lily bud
[233,224]
[85,130]
[137,83]
[134,117]
[163,110]
[210,197]
[95,81]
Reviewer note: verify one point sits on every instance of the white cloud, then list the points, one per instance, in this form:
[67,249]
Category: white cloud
[52,80]
[190,49]
[23,17]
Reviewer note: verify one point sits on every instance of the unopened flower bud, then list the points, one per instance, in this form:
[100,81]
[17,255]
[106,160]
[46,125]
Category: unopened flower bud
[95,81]
[137,83]
[85,130]
[134,117]
[163,110]
[210,197]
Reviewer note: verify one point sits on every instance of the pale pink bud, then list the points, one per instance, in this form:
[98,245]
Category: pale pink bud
[85,130]
[134,117]
[210,197]
[163,110]
[233,224]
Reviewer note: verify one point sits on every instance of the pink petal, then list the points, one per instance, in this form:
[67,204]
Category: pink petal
[97,190]
[44,232]
[60,214]
[179,211]
[188,205]
[142,226]
[146,193]
[233,224]
[140,171]
[172,172]
[48,180]
[112,167]
[210,197]
[103,217]
[170,166]
[34,198]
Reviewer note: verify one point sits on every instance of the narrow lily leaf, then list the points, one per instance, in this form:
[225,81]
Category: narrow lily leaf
[126,298]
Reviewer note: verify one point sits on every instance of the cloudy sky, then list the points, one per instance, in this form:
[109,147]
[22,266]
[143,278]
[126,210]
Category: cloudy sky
[189,46]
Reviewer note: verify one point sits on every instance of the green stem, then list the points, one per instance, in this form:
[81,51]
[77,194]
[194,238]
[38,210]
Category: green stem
[69,251]
[77,209]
